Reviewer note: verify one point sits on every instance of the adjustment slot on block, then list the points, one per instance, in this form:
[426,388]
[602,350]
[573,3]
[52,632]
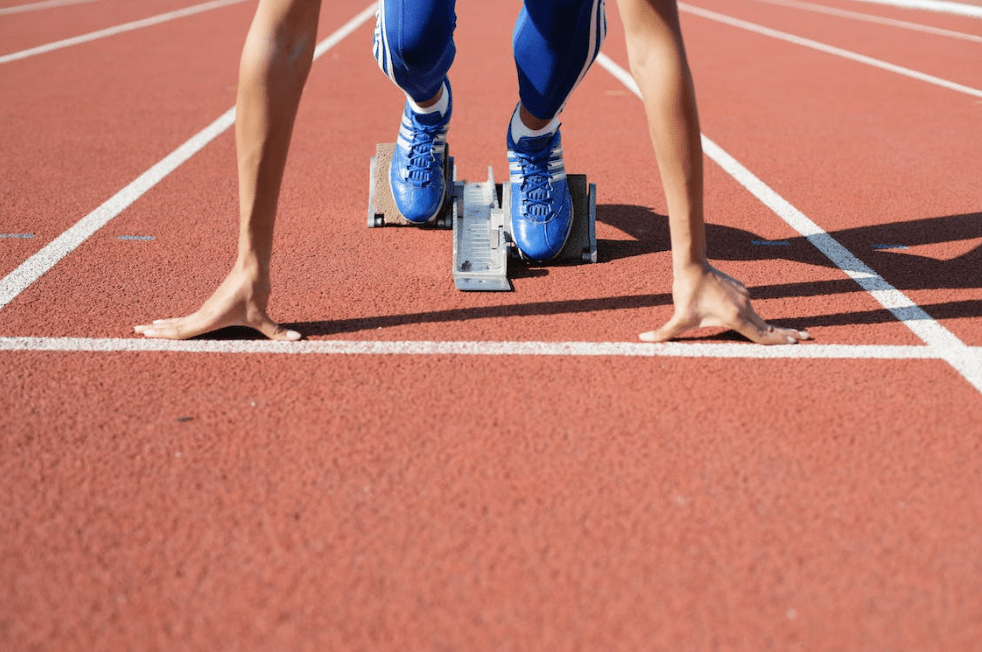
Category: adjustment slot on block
[480,251]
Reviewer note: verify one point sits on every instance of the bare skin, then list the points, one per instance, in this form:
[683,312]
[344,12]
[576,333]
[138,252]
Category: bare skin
[276,59]
[703,296]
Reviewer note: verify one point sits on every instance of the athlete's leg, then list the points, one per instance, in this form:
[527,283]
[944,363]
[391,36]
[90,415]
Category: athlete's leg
[414,47]
[413,44]
[555,42]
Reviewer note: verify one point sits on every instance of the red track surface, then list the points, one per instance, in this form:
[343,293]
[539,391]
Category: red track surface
[251,501]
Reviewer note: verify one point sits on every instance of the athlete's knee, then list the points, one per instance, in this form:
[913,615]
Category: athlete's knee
[416,38]
[420,49]
[564,18]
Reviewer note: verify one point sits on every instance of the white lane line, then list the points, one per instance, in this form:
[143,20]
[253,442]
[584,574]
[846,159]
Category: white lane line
[946,345]
[37,265]
[957,8]
[487,348]
[118,29]
[830,49]
[36,6]
[878,20]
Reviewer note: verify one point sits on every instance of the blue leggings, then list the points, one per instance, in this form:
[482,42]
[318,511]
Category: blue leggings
[554,43]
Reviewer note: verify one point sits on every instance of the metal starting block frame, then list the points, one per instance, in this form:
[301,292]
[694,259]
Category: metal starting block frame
[480,216]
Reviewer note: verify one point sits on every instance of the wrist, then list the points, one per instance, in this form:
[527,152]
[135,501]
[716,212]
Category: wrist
[250,265]
[689,266]
[253,254]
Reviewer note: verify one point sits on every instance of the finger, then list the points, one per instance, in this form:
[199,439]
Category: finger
[756,329]
[774,335]
[156,324]
[157,332]
[670,330]
[160,323]
[764,333]
[171,332]
[654,336]
[152,330]
[274,331]
[182,328]
[740,288]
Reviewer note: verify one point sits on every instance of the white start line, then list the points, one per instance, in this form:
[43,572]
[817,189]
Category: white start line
[733,350]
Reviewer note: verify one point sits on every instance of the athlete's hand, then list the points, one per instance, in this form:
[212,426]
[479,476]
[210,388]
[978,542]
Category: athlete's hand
[705,296]
[240,300]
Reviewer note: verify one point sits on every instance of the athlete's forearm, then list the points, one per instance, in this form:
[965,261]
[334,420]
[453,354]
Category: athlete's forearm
[659,67]
[275,62]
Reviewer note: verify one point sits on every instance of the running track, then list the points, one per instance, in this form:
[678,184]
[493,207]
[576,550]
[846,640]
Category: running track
[433,470]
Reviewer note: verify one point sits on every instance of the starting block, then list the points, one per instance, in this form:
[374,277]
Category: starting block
[479,214]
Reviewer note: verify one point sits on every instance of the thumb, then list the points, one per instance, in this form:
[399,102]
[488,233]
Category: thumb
[671,329]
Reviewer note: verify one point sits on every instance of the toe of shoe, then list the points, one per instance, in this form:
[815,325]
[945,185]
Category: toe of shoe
[543,240]
[417,204]
[540,241]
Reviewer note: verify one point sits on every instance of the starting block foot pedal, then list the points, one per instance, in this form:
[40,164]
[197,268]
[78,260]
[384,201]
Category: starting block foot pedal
[382,209]
[581,246]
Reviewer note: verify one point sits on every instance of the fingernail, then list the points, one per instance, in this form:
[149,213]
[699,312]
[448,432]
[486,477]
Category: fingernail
[150,332]
[292,335]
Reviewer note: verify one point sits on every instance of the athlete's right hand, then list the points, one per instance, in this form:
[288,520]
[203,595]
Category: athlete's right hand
[240,300]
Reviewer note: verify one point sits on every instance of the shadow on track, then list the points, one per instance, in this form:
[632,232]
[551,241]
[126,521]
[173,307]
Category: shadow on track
[317,328]
[896,251]
[902,268]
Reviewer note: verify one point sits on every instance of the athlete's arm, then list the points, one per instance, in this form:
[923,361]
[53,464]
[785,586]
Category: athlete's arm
[703,296]
[275,61]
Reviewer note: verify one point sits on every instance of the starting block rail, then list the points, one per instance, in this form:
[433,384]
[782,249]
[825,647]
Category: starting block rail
[479,215]
[480,248]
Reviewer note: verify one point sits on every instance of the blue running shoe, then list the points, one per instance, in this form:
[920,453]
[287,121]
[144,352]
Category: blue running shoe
[541,206]
[416,172]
